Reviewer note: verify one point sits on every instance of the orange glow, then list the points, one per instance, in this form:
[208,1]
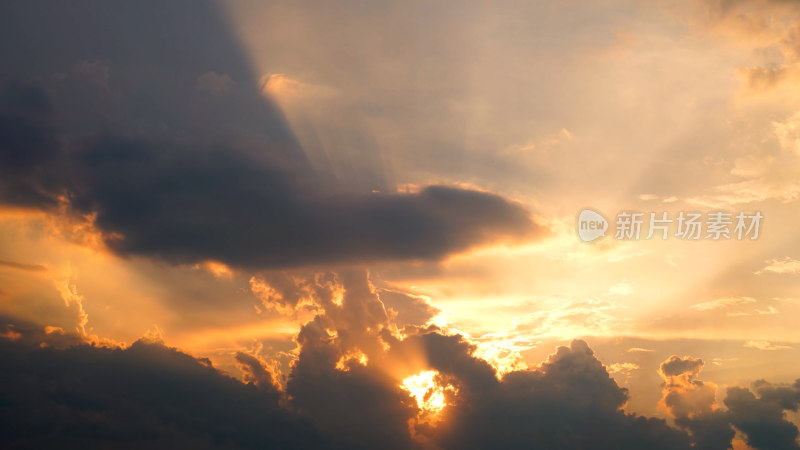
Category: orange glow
[427,391]
[218,269]
[350,358]
[11,335]
[209,338]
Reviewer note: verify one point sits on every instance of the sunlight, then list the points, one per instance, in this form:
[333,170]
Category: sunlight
[426,391]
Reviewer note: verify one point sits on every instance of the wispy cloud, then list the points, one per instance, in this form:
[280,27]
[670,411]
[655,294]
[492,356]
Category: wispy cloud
[723,303]
[639,349]
[781,266]
[764,345]
[22,266]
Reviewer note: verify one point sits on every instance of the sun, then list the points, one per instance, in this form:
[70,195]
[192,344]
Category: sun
[427,391]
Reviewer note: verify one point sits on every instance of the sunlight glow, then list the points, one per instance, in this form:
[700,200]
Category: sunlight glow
[429,394]
[354,357]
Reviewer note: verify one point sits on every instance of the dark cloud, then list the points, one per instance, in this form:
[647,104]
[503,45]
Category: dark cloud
[676,366]
[253,371]
[28,146]
[366,406]
[145,396]
[110,119]
[350,366]
[363,405]
[56,389]
[569,402]
[452,355]
[760,414]
[187,205]
[709,431]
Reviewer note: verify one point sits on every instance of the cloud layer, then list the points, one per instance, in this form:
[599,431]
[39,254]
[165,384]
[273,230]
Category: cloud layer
[344,390]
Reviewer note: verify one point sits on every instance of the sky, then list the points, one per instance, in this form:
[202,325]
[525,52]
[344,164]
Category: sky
[355,224]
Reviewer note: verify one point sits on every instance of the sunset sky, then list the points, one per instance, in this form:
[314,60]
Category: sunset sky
[365,214]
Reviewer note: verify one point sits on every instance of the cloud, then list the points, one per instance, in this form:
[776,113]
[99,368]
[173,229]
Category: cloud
[367,407]
[214,83]
[693,404]
[351,364]
[722,303]
[206,201]
[409,309]
[565,317]
[254,371]
[182,176]
[788,133]
[764,345]
[639,349]
[787,265]
[760,414]
[344,388]
[684,394]
[569,402]
[151,395]
[27,138]
[623,368]
[621,288]
[23,266]
[146,395]
[767,26]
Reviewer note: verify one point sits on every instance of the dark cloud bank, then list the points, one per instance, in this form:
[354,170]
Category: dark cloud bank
[68,394]
[149,116]
[343,391]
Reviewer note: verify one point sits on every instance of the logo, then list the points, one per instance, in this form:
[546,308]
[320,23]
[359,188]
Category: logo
[692,226]
[591,225]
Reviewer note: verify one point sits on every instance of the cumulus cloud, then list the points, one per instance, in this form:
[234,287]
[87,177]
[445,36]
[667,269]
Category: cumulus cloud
[684,395]
[154,396]
[569,402]
[366,406]
[758,413]
[146,395]
[345,390]
[693,404]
